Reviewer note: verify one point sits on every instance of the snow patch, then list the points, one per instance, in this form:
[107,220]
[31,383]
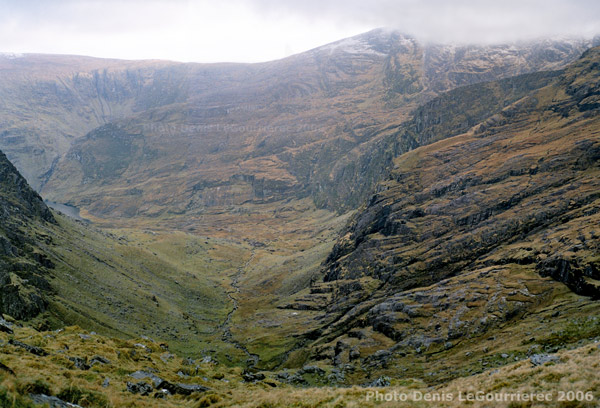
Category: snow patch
[352,46]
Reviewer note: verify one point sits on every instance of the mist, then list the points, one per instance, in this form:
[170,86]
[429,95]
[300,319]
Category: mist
[262,30]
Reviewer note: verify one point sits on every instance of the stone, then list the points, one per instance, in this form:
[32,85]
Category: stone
[312,370]
[5,327]
[52,402]
[541,359]
[80,363]
[209,360]
[140,375]
[252,377]
[181,389]
[289,378]
[161,394]
[99,359]
[382,381]
[141,388]
[38,351]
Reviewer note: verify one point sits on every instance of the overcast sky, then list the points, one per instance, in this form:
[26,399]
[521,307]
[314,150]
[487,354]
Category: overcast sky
[261,30]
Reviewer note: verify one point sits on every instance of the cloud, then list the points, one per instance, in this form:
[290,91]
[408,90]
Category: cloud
[456,20]
[260,30]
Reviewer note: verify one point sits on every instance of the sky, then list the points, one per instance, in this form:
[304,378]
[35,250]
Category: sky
[262,30]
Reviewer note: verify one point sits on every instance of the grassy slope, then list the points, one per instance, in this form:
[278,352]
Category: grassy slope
[271,250]
[164,285]
[575,370]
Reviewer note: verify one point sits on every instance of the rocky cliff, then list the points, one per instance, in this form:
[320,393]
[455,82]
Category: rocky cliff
[463,236]
[23,268]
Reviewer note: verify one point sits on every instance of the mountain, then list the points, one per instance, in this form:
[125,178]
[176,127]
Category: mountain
[474,240]
[372,212]
[231,132]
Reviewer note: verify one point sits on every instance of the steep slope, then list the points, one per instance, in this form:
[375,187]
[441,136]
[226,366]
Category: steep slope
[238,155]
[276,130]
[466,239]
[54,270]
[49,101]
[23,269]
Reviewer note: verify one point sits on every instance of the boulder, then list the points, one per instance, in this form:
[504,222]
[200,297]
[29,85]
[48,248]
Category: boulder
[52,402]
[252,377]
[38,351]
[141,388]
[541,359]
[181,389]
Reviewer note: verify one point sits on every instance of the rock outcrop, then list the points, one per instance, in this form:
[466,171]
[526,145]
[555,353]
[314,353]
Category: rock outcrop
[23,268]
[464,232]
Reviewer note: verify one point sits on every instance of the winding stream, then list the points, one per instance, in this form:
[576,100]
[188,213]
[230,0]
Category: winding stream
[226,325]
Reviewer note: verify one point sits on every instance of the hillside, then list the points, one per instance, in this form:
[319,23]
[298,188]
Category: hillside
[97,371]
[54,271]
[20,259]
[473,239]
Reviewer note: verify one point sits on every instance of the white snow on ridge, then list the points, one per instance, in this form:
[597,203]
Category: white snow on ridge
[352,46]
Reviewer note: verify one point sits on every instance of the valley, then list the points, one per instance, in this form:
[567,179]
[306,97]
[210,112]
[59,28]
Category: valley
[375,212]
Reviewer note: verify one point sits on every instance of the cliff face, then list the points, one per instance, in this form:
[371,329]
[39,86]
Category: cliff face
[23,269]
[465,232]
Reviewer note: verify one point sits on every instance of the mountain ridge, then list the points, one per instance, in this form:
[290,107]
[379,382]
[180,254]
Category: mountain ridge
[314,109]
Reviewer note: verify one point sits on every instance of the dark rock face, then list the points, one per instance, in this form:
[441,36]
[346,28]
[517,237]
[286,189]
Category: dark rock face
[22,267]
[579,278]
[414,213]
[17,199]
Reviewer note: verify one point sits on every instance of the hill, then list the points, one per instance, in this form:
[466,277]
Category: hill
[485,238]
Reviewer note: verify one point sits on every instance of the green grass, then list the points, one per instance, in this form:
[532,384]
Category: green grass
[580,328]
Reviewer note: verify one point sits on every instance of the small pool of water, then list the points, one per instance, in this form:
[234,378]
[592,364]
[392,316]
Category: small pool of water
[66,209]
